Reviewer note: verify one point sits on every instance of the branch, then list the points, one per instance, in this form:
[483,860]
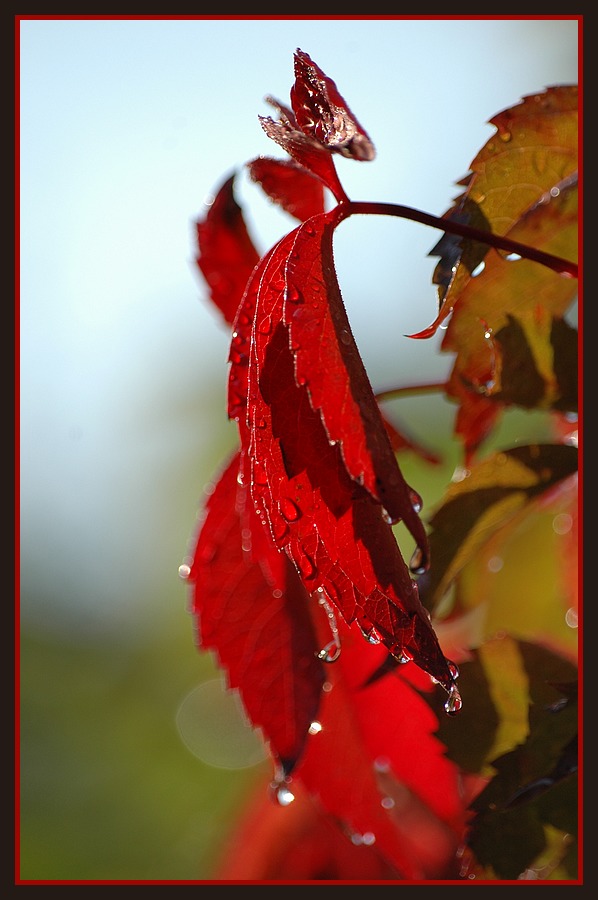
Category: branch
[562,266]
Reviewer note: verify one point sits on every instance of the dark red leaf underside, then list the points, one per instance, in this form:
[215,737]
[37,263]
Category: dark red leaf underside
[328,524]
[251,609]
[295,189]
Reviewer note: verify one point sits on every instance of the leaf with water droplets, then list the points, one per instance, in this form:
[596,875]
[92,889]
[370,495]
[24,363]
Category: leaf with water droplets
[328,362]
[526,164]
[322,112]
[493,494]
[319,124]
[507,332]
[251,609]
[326,521]
[226,254]
[378,788]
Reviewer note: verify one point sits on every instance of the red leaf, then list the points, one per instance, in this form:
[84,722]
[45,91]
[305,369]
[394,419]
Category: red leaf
[227,255]
[331,527]
[322,112]
[295,843]
[328,362]
[290,185]
[399,794]
[252,610]
[306,150]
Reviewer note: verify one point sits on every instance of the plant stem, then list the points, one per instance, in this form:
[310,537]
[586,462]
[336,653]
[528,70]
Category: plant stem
[411,390]
[562,266]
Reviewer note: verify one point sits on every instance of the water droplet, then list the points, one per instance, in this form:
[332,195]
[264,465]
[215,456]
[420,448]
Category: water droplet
[454,702]
[277,593]
[332,650]
[505,136]
[387,802]
[512,257]
[416,500]
[390,520]
[369,632]
[309,229]
[419,562]
[283,795]
[280,530]
[571,617]
[453,669]
[184,571]
[494,564]
[289,509]
[315,728]
[306,566]
[265,326]
[259,475]
[460,474]
[402,655]
[368,838]
[478,269]
[382,764]
[345,337]
[293,294]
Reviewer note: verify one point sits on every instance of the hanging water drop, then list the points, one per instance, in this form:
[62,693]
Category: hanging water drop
[390,520]
[418,564]
[315,728]
[368,630]
[402,655]
[184,571]
[453,669]
[454,702]
[332,650]
[282,794]
[416,501]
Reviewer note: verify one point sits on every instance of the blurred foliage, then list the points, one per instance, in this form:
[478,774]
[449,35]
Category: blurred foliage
[108,789]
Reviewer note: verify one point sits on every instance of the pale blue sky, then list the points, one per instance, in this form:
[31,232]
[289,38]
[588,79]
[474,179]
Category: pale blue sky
[126,126]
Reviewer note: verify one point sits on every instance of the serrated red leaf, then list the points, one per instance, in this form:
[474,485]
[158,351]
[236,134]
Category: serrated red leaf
[226,255]
[251,609]
[400,796]
[299,192]
[330,526]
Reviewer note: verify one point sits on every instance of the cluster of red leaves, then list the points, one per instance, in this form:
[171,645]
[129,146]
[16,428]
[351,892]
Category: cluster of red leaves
[296,564]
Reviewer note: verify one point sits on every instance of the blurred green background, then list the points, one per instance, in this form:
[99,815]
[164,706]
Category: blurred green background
[126,127]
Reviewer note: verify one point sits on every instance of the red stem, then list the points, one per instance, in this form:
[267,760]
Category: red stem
[562,266]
